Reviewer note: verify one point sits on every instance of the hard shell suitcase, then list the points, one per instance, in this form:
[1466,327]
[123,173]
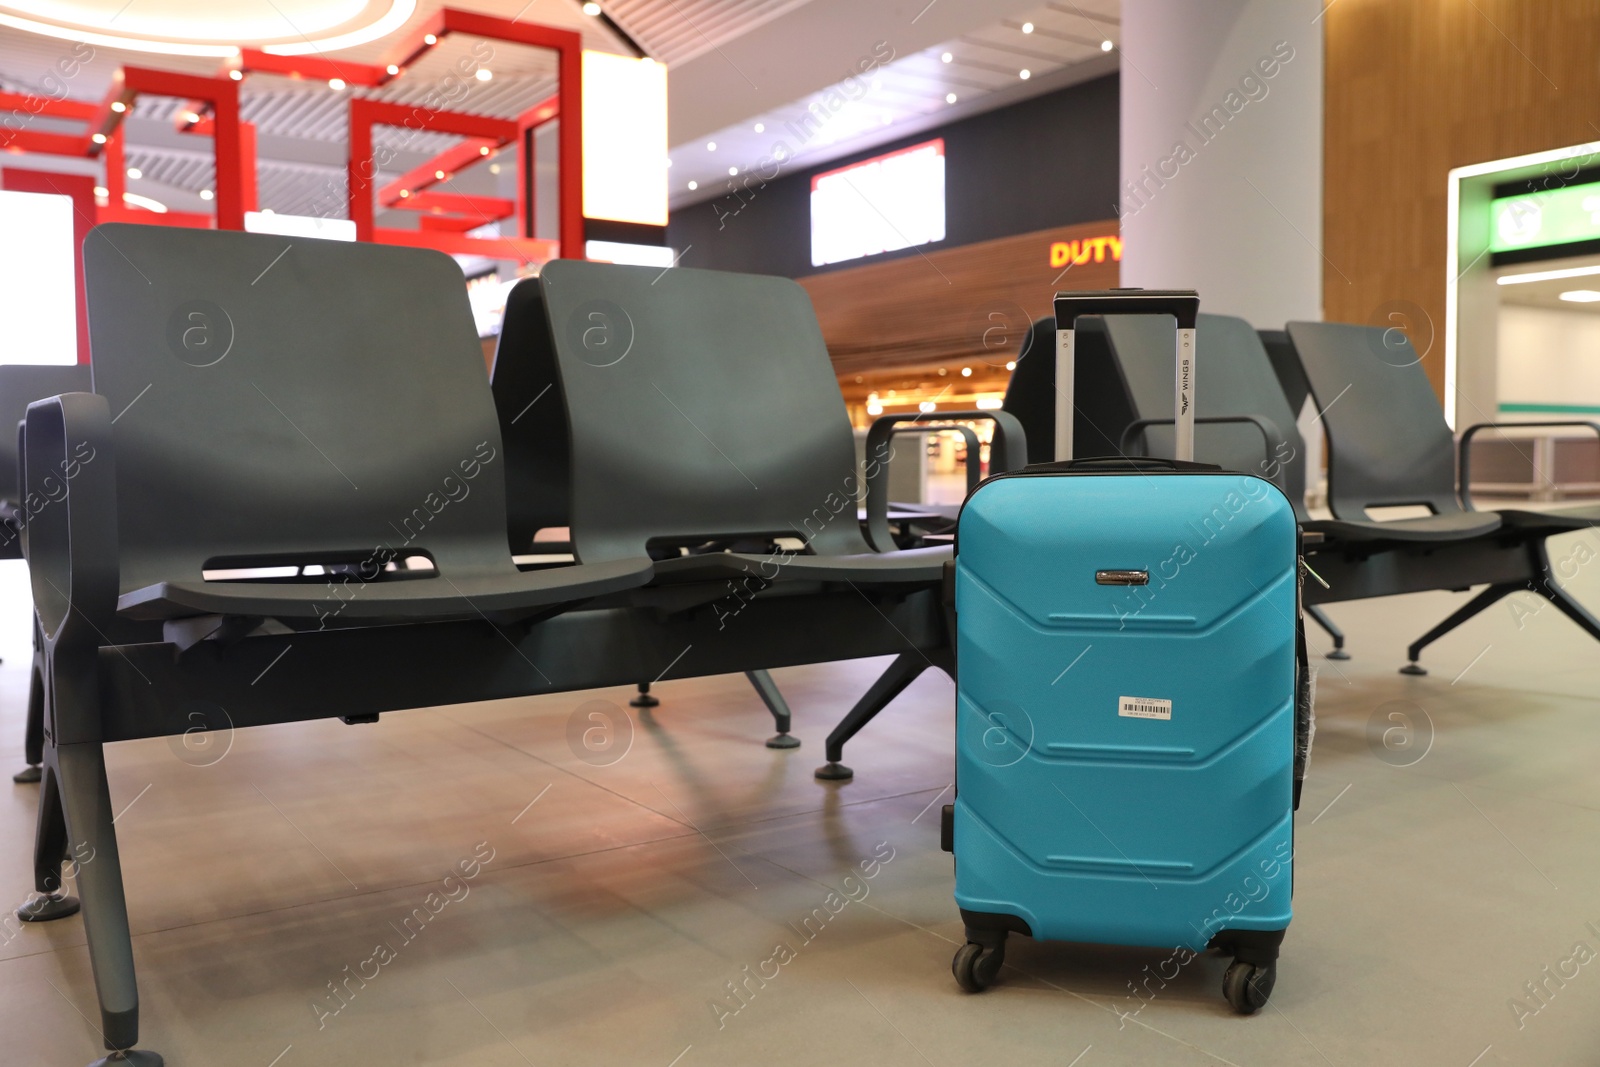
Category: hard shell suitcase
[1130,713]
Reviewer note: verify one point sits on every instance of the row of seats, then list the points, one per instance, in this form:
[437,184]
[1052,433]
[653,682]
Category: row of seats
[289,493]
[292,494]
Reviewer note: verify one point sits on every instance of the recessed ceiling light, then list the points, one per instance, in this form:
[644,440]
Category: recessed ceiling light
[494,168]
[693,186]
[135,173]
[591,9]
[1024,73]
[404,193]
[946,58]
[966,372]
[101,190]
[191,117]
[236,75]
[711,146]
[429,38]
[761,127]
[483,150]
[98,138]
[118,106]
[392,69]
[1581,296]
[439,174]
[484,74]
[949,98]
[206,194]
[336,83]
[733,172]
[1027,27]
[1011,365]
[1106,46]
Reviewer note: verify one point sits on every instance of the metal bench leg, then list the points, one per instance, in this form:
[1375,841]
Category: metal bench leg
[1472,607]
[773,699]
[644,699]
[901,673]
[75,788]
[33,733]
[1320,617]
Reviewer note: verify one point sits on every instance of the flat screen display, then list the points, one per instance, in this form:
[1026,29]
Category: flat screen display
[890,202]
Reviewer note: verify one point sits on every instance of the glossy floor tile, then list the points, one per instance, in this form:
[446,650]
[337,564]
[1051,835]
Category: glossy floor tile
[658,888]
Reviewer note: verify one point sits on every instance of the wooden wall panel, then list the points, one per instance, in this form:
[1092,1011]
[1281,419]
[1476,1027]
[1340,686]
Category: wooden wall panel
[924,309]
[1414,88]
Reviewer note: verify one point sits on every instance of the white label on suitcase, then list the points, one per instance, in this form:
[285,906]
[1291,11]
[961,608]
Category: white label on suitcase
[1144,708]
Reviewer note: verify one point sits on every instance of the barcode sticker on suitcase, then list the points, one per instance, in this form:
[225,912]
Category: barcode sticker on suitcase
[1144,708]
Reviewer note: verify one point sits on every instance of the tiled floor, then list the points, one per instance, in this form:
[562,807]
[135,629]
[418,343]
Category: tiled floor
[621,900]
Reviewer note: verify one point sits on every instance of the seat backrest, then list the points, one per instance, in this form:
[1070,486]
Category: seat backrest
[1388,443]
[1101,396]
[700,405]
[533,419]
[21,385]
[279,399]
[1233,378]
[1286,365]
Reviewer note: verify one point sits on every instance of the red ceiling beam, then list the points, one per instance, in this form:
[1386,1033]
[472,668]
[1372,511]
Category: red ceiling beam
[478,209]
[447,163]
[255,61]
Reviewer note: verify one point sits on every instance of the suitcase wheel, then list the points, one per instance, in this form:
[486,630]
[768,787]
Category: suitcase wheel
[976,967]
[1247,985]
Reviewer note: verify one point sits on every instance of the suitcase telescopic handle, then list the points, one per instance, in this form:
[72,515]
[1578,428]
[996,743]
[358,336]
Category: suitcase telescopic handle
[1182,304]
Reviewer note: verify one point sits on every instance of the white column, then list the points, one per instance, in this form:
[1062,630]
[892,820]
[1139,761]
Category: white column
[1222,154]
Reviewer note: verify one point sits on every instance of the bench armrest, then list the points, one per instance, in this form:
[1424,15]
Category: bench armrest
[1465,447]
[1008,451]
[1269,431]
[69,508]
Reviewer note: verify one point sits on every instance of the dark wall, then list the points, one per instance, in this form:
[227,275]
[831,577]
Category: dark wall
[1048,161]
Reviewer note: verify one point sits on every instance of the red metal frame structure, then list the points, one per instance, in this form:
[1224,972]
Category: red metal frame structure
[445,217]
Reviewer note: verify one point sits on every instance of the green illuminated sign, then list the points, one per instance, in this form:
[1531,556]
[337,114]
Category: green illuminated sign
[1549,217]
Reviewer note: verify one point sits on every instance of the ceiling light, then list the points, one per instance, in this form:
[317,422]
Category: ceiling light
[591,9]
[1547,275]
[439,174]
[236,75]
[1106,46]
[404,193]
[392,69]
[494,168]
[693,186]
[484,74]
[947,58]
[733,172]
[206,194]
[429,38]
[191,117]
[1027,27]
[1011,365]
[711,146]
[145,202]
[1581,296]
[118,106]
[927,407]
[949,98]
[761,127]
[1024,73]
[135,173]
[98,138]
[336,84]
[874,408]
[101,190]
[483,150]
[966,372]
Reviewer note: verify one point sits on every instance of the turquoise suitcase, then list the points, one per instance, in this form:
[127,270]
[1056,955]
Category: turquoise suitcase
[1131,701]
